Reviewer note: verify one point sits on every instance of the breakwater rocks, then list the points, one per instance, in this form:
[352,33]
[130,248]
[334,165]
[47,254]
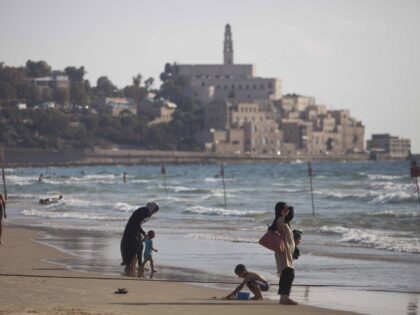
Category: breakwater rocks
[104,156]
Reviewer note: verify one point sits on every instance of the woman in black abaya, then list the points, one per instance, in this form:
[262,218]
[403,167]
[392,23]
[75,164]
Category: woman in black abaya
[131,242]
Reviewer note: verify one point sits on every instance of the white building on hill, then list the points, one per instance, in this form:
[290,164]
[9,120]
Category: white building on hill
[210,82]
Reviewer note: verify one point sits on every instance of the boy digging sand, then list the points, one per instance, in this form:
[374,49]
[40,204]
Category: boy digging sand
[148,253]
[252,280]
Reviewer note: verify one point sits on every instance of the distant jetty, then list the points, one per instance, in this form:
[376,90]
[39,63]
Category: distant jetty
[124,156]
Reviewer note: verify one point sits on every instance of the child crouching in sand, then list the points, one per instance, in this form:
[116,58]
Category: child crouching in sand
[148,253]
[252,280]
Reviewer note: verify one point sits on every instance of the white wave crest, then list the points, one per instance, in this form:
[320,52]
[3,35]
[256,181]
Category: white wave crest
[371,196]
[123,207]
[21,180]
[214,237]
[70,215]
[395,214]
[386,177]
[387,240]
[221,212]
[76,202]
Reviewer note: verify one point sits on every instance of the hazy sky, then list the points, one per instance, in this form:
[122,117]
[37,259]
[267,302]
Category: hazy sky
[358,55]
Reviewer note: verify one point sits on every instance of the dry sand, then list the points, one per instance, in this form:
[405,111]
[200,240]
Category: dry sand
[31,285]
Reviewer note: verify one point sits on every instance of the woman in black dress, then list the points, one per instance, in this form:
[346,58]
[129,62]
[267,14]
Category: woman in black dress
[131,242]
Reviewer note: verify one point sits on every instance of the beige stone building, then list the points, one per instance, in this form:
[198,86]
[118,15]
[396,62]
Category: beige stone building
[158,109]
[244,113]
[118,105]
[392,146]
[241,127]
[212,82]
[314,130]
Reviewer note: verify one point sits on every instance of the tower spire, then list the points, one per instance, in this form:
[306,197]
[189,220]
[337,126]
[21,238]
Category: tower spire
[228,46]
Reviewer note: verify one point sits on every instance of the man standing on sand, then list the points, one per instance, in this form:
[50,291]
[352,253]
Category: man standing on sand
[131,242]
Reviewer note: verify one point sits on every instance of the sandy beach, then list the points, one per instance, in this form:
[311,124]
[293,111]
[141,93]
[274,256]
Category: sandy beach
[31,285]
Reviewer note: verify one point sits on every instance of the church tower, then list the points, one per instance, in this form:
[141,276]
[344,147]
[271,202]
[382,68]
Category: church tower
[228,47]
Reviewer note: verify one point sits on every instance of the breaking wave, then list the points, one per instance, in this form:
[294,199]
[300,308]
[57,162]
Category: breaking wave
[387,240]
[221,212]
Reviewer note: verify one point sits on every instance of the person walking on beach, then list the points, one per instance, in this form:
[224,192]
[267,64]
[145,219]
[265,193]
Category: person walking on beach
[131,242]
[2,213]
[284,261]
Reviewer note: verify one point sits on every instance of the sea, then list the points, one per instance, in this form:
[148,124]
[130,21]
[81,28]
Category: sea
[361,234]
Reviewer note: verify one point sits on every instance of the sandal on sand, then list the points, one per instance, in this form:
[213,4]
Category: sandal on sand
[121,291]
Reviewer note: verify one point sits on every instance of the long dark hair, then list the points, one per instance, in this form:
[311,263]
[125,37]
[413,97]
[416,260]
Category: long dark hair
[277,209]
[289,216]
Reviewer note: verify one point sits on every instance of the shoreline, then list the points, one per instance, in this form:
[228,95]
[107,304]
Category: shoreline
[41,158]
[35,285]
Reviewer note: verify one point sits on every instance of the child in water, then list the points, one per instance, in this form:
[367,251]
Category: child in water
[148,242]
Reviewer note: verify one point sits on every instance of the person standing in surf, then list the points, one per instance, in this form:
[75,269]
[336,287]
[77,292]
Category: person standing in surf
[132,240]
[284,261]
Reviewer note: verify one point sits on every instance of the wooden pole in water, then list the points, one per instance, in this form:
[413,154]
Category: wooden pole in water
[163,174]
[222,173]
[312,191]
[2,160]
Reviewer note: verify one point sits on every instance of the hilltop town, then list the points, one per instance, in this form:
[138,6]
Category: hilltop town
[219,108]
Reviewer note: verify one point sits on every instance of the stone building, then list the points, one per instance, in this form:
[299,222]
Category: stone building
[56,80]
[118,105]
[241,127]
[314,130]
[210,82]
[244,113]
[158,110]
[387,145]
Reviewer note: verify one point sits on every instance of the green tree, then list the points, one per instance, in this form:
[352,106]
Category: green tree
[7,91]
[137,80]
[61,95]
[37,69]
[104,87]
[75,74]
[148,83]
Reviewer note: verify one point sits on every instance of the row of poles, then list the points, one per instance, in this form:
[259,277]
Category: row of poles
[222,175]
[414,172]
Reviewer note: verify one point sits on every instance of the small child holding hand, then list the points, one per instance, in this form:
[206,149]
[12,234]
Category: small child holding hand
[148,253]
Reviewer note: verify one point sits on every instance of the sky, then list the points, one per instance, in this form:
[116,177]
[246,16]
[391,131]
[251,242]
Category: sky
[360,55]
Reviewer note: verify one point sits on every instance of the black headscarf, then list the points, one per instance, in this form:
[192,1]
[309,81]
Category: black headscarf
[277,209]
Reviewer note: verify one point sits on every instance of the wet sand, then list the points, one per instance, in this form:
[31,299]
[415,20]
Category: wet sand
[31,285]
